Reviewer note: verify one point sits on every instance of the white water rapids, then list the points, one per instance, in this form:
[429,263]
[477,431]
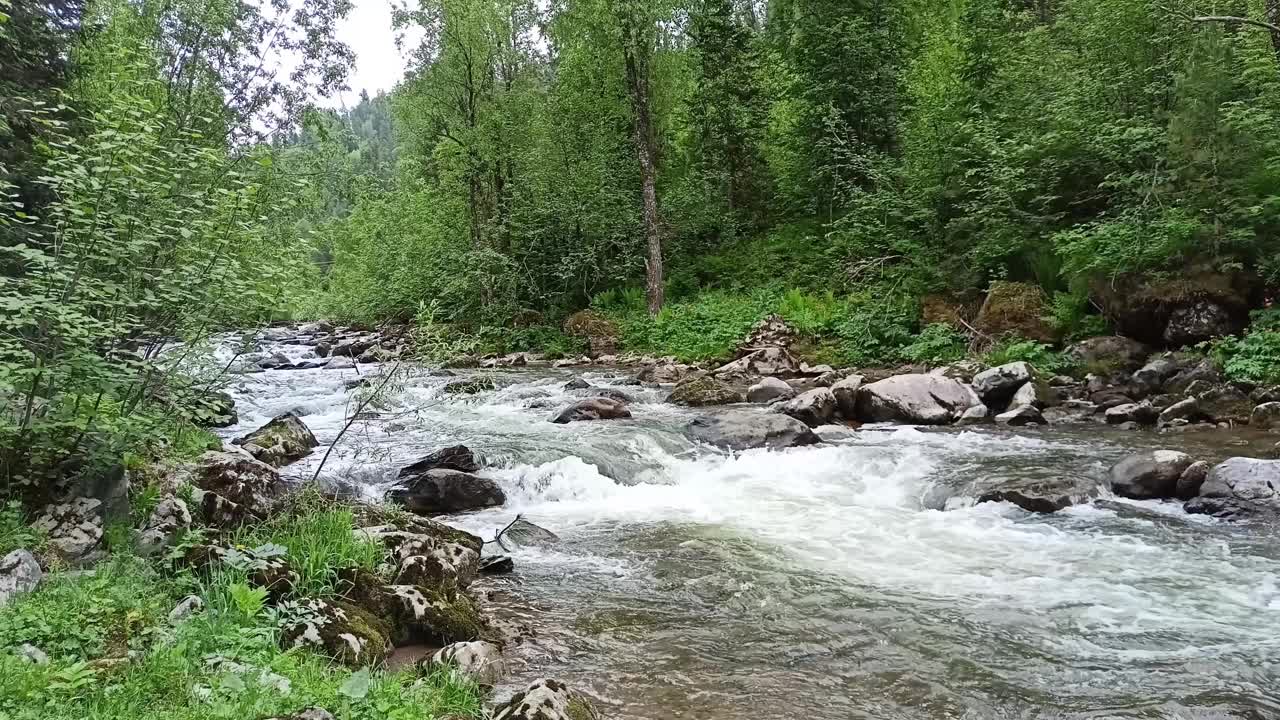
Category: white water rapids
[826,582]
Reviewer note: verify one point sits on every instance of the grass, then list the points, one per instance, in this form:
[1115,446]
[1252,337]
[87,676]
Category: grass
[16,532]
[224,662]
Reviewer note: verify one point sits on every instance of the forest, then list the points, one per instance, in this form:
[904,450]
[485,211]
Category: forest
[902,182]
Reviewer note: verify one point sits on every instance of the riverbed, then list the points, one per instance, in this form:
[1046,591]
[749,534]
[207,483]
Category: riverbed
[854,579]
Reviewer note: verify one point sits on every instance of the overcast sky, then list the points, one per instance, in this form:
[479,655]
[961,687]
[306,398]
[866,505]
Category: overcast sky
[379,64]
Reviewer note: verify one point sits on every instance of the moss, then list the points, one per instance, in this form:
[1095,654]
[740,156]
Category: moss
[580,709]
[1015,309]
[471,386]
[702,390]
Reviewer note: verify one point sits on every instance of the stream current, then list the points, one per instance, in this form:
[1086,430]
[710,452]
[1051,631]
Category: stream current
[855,579]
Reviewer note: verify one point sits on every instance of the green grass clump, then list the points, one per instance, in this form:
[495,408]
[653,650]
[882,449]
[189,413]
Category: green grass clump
[16,532]
[1042,357]
[1255,356]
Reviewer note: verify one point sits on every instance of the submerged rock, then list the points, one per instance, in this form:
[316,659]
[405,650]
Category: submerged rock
[472,385]
[599,408]
[577,384]
[1149,475]
[454,457]
[441,491]
[1043,496]
[920,399]
[497,565]
[744,430]
[1239,488]
[546,700]
[813,408]
[523,532]
[283,440]
[1022,415]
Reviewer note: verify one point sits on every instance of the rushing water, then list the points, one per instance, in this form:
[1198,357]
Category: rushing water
[826,582]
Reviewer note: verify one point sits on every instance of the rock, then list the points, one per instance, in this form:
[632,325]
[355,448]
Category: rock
[472,385]
[234,487]
[1109,354]
[74,527]
[599,408]
[169,518]
[1107,399]
[339,362]
[437,564]
[32,654]
[1072,412]
[814,408]
[311,713]
[771,332]
[1043,496]
[612,394]
[1239,488]
[1140,413]
[664,372]
[1265,394]
[1023,415]
[767,362]
[523,532]
[577,384]
[415,613]
[743,430]
[962,370]
[997,385]
[1206,371]
[283,440]
[478,661]
[546,700]
[922,399]
[353,348]
[600,333]
[1224,404]
[1148,379]
[441,491]
[1197,322]
[975,415]
[1149,475]
[1017,309]
[455,457]
[1191,480]
[1033,394]
[19,574]
[277,361]
[186,607]
[1187,410]
[700,390]
[347,633]
[1265,416]
[768,390]
[497,565]
[845,391]
[215,409]
[322,349]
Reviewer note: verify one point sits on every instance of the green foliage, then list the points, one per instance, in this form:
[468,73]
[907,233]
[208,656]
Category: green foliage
[709,326]
[1254,357]
[17,532]
[1042,357]
[104,614]
[1071,317]
[936,344]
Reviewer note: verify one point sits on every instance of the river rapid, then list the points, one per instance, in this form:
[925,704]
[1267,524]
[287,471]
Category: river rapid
[855,579]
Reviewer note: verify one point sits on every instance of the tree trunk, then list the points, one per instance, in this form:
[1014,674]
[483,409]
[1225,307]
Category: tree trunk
[1273,18]
[636,56]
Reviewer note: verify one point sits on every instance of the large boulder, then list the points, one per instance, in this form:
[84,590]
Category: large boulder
[471,385]
[1206,372]
[919,399]
[998,384]
[845,391]
[233,488]
[1149,475]
[283,440]
[1265,416]
[1150,378]
[597,408]
[339,630]
[1107,354]
[19,574]
[1043,496]
[434,563]
[1141,413]
[74,528]
[768,390]
[546,700]
[1201,320]
[701,389]
[415,613]
[768,362]
[441,491]
[746,430]
[454,457]
[814,408]
[1035,394]
[1224,404]
[599,331]
[1015,309]
[1187,410]
[1239,487]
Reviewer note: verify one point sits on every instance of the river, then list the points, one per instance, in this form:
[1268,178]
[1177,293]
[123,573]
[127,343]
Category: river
[855,579]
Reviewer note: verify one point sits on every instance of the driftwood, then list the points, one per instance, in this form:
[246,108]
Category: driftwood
[498,538]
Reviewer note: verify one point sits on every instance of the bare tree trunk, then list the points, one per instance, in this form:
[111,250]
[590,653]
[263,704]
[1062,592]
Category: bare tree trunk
[1272,15]
[636,57]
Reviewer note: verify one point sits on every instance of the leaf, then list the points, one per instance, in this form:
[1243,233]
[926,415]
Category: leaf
[356,686]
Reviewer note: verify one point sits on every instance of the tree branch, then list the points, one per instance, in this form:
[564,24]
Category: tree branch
[1231,19]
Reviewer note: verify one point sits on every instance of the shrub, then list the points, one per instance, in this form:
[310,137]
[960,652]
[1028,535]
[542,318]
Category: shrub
[708,326]
[1255,356]
[937,343]
[16,532]
[1015,349]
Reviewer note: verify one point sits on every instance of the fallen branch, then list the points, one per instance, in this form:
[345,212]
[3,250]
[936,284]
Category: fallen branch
[1234,20]
[354,416]
[498,538]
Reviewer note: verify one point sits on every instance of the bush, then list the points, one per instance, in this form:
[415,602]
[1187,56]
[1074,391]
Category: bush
[1255,357]
[16,532]
[708,326]
[937,343]
[1040,356]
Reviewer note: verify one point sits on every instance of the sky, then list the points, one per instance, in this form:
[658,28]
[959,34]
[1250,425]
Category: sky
[379,64]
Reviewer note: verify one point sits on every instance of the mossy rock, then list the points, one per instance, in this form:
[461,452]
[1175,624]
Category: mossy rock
[1015,309]
[547,700]
[472,385]
[415,613]
[345,632]
[599,331]
[701,390]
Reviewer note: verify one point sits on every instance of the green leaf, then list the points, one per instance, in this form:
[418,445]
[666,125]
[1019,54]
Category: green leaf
[356,686]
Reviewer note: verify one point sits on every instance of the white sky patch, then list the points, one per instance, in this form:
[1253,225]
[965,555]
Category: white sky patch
[379,63]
